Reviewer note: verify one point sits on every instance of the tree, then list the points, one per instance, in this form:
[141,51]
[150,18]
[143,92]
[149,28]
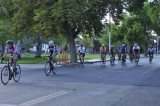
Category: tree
[66,17]
[6,28]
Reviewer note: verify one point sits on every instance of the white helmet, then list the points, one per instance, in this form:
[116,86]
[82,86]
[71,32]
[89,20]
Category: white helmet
[51,43]
[135,44]
[102,44]
[123,44]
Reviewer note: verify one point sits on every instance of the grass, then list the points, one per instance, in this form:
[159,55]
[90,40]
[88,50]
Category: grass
[30,59]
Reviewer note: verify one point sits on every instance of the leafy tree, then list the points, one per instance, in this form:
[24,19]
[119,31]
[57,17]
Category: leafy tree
[154,13]
[65,17]
[6,28]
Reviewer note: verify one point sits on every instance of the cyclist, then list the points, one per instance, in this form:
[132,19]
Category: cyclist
[103,51]
[119,53]
[136,51]
[112,51]
[10,49]
[150,51]
[123,50]
[52,49]
[130,52]
[81,51]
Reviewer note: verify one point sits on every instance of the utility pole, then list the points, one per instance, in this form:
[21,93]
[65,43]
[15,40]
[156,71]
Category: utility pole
[109,31]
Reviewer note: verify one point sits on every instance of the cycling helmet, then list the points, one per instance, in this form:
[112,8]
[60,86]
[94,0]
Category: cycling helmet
[9,42]
[123,44]
[102,44]
[112,46]
[51,43]
[135,44]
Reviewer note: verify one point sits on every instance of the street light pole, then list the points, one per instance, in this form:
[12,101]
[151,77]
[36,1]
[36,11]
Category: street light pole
[109,33]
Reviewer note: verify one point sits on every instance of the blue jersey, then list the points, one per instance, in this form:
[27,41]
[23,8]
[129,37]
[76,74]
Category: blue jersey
[123,49]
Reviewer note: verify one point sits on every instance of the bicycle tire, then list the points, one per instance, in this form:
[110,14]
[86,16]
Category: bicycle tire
[6,73]
[81,61]
[17,73]
[54,71]
[47,68]
[123,60]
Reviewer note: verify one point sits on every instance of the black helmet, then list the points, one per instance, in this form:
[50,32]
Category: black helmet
[9,42]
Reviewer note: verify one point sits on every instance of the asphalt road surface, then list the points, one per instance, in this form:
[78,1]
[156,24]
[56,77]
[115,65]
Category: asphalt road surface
[91,85]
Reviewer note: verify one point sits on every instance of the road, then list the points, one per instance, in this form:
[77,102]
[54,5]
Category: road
[91,85]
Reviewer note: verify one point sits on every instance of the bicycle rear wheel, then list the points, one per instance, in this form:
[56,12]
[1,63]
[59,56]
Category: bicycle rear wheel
[5,74]
[16,73]
[47,68]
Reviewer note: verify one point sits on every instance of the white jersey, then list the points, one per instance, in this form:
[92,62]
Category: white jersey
[81,49]
[136,47]
[150,49]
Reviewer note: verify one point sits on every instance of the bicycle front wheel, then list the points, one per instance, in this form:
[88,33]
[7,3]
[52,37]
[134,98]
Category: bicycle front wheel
[47,68]
[5,75]
[54,71]
[16,73]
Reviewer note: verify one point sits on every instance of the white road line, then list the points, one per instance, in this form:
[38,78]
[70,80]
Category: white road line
[44,98]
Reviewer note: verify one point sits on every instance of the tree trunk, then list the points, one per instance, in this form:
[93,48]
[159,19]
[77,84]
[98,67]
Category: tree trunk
[145,49]
[39,46]
[3,48]
[72,47]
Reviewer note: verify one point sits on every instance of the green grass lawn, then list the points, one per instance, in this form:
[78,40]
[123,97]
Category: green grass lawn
[30,59]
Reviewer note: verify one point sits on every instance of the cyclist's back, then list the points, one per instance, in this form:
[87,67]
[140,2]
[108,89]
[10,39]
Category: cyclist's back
[103,49]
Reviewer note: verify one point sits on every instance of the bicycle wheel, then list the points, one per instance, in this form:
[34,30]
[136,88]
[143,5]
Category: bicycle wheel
[5,74]
[111,60]
[123,60]
[54,71]
[81,61]
[47,68]
[16,73]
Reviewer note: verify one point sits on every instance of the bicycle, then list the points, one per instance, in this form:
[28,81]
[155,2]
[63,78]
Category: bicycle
[136,57]
[119,56]
[150,57]
[49,66]
[103,59]
[112,59]
[123,59]
[10,71]
[81,62]
[131,57]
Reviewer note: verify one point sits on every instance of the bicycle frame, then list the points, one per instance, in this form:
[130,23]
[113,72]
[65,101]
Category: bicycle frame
[49,66]
[136,58]
[103,57]
[123,59]
[112,59]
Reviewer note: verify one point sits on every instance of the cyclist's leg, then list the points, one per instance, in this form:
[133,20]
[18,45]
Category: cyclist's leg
[83,55]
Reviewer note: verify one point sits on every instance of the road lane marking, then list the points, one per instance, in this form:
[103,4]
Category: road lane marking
[44,98]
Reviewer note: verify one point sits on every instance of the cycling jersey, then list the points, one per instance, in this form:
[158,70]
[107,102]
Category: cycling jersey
[81,49]
[150,50]
[102,49]
[10,50]
[136,49]
[123,49]
[52,50]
